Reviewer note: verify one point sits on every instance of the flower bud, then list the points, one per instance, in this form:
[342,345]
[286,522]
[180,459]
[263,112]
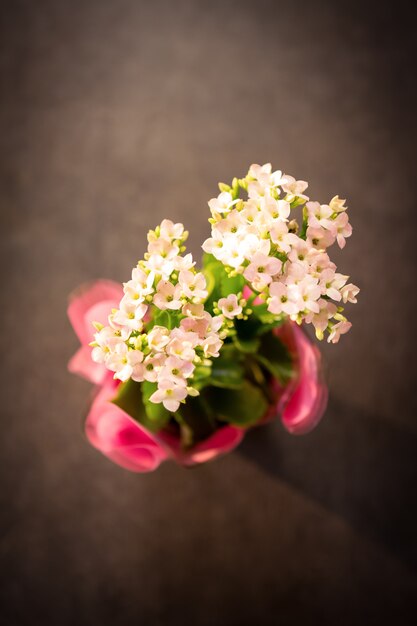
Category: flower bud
[293,226]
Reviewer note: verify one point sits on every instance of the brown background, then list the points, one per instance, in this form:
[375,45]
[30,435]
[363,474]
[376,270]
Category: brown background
[115,114]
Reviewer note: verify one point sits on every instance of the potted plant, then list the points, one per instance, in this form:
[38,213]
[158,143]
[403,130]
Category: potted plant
[185,361]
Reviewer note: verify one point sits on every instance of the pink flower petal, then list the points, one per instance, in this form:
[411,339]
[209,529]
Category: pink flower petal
[222,441]
[81,308]
[247,293]
[308,399]
[119,437]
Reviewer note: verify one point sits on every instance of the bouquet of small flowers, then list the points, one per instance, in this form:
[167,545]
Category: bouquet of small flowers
[185,361]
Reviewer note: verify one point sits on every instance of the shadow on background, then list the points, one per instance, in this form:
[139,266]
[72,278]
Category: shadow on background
[362,468]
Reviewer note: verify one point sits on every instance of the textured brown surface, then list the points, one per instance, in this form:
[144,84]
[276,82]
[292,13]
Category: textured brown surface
[115,114]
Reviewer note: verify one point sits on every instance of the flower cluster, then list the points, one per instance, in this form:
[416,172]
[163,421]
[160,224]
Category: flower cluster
[165,325]
[282,258]
[161,331]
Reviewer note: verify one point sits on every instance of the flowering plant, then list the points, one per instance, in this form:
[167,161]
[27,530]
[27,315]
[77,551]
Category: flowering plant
[186,360]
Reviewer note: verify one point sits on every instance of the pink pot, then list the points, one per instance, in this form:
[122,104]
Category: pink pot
[123,440]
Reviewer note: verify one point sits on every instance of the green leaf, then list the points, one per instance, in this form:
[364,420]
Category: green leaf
[208,259]
[274,356]
[163,318]
[219,283]
[212,279]
[262,320]
[201,377]
[241,407]
[201,372]
[267,320]
[230,285]
[130,399]
[214,272]
[156,413]
[168,319]
[268,326]
[196,421]
[249,346]
[227,370]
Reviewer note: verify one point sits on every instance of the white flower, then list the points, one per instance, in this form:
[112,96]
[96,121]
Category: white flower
[295,187]
[160,265]
[343,228]
[278,178]
[158,338]
[300,253]
[214,245]
[262,173]
[256,190]
[261,270]
[275,209]
[232,223]
[133,292]
[222,204]
[182,344]
[211,345]
[230,306]
[310,292]
[171,231]
[252,244]
[130,314]
[250,213]
[100,353]
[281,237]
[106,339]
[193,285]
[194,310]
[319,216]
[215,323]
[331,283]
[140,285]
[337,204]
[167,296]
[295,273]
[164,248]
[320,238]
[125,363]
[203,325]
[338,329]
[183,262]
[152,365]
[143,280]
[320,262]
[229,253]
[282,299]
[195,325]
[320,320]
[170,394]
[176,370]
[349,293]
